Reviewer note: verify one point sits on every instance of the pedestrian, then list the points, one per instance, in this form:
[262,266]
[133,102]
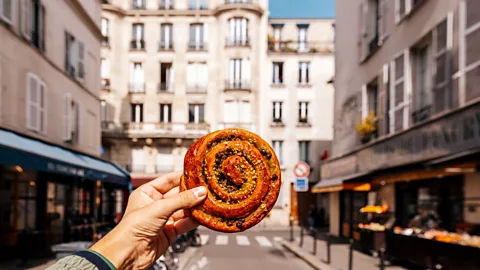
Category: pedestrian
[312,217]
[153,219]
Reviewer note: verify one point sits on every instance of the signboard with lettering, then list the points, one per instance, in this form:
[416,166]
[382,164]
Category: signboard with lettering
[454,133]
[301,184]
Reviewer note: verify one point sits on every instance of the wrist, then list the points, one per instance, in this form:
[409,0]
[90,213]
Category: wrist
[116,248]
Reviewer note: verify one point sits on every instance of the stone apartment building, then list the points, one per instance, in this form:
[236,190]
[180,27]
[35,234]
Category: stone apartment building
[174,70]
[412,65]
[50,123]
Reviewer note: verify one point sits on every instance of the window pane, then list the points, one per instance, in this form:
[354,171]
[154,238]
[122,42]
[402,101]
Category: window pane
[201,112]
[191,113]
[399,66]
[399,93]
[472,51]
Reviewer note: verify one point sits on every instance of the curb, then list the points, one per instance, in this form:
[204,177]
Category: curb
[305,257]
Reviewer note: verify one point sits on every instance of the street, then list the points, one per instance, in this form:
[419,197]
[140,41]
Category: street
[247,250]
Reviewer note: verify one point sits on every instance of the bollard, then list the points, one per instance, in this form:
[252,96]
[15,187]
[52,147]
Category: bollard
[382,259]
[329,244]
[301,237]
[291,229]
[314,251]
[350,256]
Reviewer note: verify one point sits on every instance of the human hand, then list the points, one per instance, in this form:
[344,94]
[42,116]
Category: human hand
[153,219]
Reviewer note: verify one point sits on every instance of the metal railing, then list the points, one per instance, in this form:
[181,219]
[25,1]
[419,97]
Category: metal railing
[142,5]
[232,41]
[135,87]
[105,41]
[136,44]
[106,84]
[164,5]
[165,87]
[177,128]
[196,88]
[301,46]
[237,85]
[238,1]
[164,46]
[197,45]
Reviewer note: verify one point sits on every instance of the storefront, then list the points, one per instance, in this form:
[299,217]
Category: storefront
[50,195]
[426,183]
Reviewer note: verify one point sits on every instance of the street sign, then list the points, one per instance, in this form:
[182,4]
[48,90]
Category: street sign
[301,184]
[301,169]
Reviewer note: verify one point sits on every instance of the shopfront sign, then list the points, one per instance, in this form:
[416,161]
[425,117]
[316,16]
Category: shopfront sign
[454,133]
[66,169]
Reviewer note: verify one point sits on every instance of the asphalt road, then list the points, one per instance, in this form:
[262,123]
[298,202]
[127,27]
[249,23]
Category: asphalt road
[249,250]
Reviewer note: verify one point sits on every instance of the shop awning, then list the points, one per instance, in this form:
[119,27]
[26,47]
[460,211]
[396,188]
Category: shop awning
[17,150]
[338,184]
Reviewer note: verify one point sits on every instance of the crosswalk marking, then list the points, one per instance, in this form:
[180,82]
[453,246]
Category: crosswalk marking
[204,239]
[221,240]
[277,238]
[242,240]
[263,241]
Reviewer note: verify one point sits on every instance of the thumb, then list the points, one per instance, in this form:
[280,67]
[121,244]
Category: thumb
[183,200]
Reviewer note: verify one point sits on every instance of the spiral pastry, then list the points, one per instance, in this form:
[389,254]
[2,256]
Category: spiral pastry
[242,175]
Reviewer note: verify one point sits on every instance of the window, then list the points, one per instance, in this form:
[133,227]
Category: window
[166,77]
[373,26]
[238,32]
[422,90]
[198,4]
[196,113]
[36,103]
[277,37]
[136,113]
[442,69]
[165,4]
[137,78]
[138,160]
[103,110]
[278,148]
[239,74]
[33,22]
[277,112]
[105,29]
[404,7]
[235,111]
[138,42]
[277,77]
[197,77]
[165,159]
[197,37]
[74,57]
[138,4]
[7,10]
[304,151]
[303,72]
[105,68]
[302,39]
[165,113]
[166,36]
[303,112]
[71,119]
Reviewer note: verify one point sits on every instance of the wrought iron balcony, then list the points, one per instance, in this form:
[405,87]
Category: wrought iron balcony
[165,46]
[300,47]
[196,88]
[106,84]
[166,130]
[238,42]
[231,85]
[197,45]
[165,87]
[136,87]
[137,44]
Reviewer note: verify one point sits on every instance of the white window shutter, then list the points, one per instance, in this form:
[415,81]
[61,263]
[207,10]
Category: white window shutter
[392,97]
[42,108]
[205,32]
[171,81]
[246,71]
[78,121]
[26,17]
[7,11]
[364,101]
[80,60]
[407,88]
[67,117]
[31,102]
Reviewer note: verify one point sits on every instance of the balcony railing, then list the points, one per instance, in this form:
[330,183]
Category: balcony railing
[166,129]
[136,5]
[105,84]
[202,6]
[165,5]
[137,44]
[196,88]
[238,1]
[300,47]
[246,126]
[304,122]
[237,85]
[240,42]
[165,46]
[136,87]
[149,168]
[105,41]
[165,87]
[197,45]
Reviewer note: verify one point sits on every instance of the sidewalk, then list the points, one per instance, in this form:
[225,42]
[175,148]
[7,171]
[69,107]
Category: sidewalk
[339,255]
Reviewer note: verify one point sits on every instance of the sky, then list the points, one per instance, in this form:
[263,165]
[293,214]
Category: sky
[302,8]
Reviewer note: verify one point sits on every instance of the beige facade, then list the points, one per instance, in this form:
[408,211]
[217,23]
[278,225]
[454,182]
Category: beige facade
[180,67]
[412,65]
[34,81]
[297,117]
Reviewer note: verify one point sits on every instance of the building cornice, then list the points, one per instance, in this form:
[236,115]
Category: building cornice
[83,15]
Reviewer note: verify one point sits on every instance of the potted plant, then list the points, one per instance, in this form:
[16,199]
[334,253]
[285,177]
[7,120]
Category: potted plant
[367,127]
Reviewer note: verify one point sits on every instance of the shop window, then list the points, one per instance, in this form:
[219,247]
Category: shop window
[81,201]
[56,211]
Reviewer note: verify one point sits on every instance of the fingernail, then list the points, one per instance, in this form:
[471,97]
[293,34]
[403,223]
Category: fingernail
[199,191]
